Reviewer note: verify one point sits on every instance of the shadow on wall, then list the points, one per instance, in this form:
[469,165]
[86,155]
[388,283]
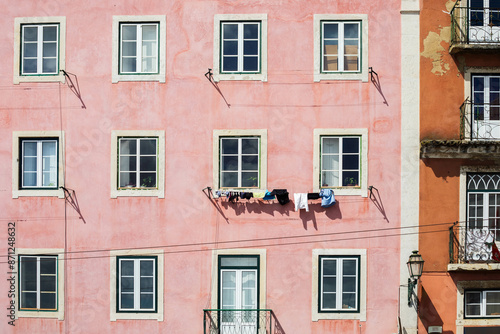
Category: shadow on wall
[441,169]
[428,313]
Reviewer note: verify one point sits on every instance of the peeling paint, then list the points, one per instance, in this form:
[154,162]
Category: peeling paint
[449,5]
[434,50]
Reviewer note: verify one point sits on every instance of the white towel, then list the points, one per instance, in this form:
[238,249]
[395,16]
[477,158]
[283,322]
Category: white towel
[301,201]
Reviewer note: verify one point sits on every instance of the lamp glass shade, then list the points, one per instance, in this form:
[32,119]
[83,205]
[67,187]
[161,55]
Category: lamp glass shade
[415,265]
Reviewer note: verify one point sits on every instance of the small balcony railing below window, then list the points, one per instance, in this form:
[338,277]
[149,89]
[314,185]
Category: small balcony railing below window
[472,244]
[479,121]
[475,26]
[217,321]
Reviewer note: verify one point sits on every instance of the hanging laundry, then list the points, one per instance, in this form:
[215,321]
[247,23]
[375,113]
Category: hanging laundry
[233,196]
[246,195]
[268,196]
[301,201]
[281,195]
[313,196]
[259,194]
[327,198]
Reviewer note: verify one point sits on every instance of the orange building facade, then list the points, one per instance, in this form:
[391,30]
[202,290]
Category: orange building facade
[459,205]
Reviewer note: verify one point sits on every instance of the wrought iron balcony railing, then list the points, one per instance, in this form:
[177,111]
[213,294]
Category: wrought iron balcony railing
[474,26]
[240,322]
[479,121]
[472,244]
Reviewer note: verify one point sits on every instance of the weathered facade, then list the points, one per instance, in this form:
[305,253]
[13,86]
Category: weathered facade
[459,168]
[122,120]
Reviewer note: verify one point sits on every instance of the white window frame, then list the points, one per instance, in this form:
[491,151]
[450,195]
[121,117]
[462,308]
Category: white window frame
[38,274]
[57,314]
[319,74]
[339,286]
[262,134]
[116,76]
[240,18]
[462,321]
[60,21]
[239,251]
[159,191]
[360,314]
[482,304]
[136,315]
[139,46]
[240,156]
[362,189]
[39,162]
[17,190]
[137,281]
[138,155]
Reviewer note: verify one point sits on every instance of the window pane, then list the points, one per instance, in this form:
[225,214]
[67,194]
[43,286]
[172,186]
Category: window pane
[473,310]
[47,265]
[30,164]
[127,284]
[348,301]
[129,49]
[47,301]
[251,48]
[472,297]
[330,179]
[230,64]
[127,301]
[230,31]
[251,31]
[330,145]
[350,162]
[331,47]
[49,65]
[146,284]
[229,279]
[350,63]
[250,146]
[148,164]
[229,146]
[329,284]
[350,145]
[30,34]
[147,301]
[48,149]
[50,34]
[351,48]
[351,30]
[348,284]
[330,162]
[148,180]
[229,179]
[149,65]
[230,48]
[29,66]
[249,179]
[30,50]
[350,178]
[128,163]
[29,179]
[329,267]
[128,146]
[250,162]
[147,267]
[48,283]
[149,32]
[349,267]
[250,63]
[149,49]
[330,30]
[127,267]
[129,65]
[330,63]
[229,163]
[129,32]
[128,179]
[28,299]
[329,301]
[238,262]
[49,50]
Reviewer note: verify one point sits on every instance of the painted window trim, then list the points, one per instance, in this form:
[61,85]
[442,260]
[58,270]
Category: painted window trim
[160,191]
[362,75]
[16,164]
[362,190]
[162,39]
[262,75]
[338,315]
[461,321]
[483,304]
[141,315]
[239,251]
[262,133]
[59,77]
[468,72]
[59,313]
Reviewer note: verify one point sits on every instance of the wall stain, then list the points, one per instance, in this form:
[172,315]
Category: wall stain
[434,50]
[449,5]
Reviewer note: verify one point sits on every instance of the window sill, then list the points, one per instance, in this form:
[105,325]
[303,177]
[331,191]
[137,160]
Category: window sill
[137,193]
[39,78]
[40,314]
[136,316]
[138,77]
[363,76]
[240,76]
[38,193]
[346,191]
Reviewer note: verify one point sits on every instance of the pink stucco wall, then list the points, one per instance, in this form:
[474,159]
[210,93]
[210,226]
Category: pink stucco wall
[289,105]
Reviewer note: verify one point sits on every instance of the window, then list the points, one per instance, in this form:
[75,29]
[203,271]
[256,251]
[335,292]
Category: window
[341,47]
[37,163]
[240,158]
[38,283]
[39,49]
[240,47]
[484,20]
[482,303]
[41,283]
[486,106]
[139,48]
[340,160]
[339,284]
[136,284]
[483,197]
[138,166]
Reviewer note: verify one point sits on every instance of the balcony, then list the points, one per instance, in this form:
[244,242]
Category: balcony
[474,28]
[479,121]
[470,247]
[240,322]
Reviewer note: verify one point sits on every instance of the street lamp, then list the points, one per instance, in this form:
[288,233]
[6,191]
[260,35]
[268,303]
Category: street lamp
[415,266]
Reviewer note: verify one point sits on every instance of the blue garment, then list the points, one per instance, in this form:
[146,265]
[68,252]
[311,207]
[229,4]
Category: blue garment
[327,198]
[268,196]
